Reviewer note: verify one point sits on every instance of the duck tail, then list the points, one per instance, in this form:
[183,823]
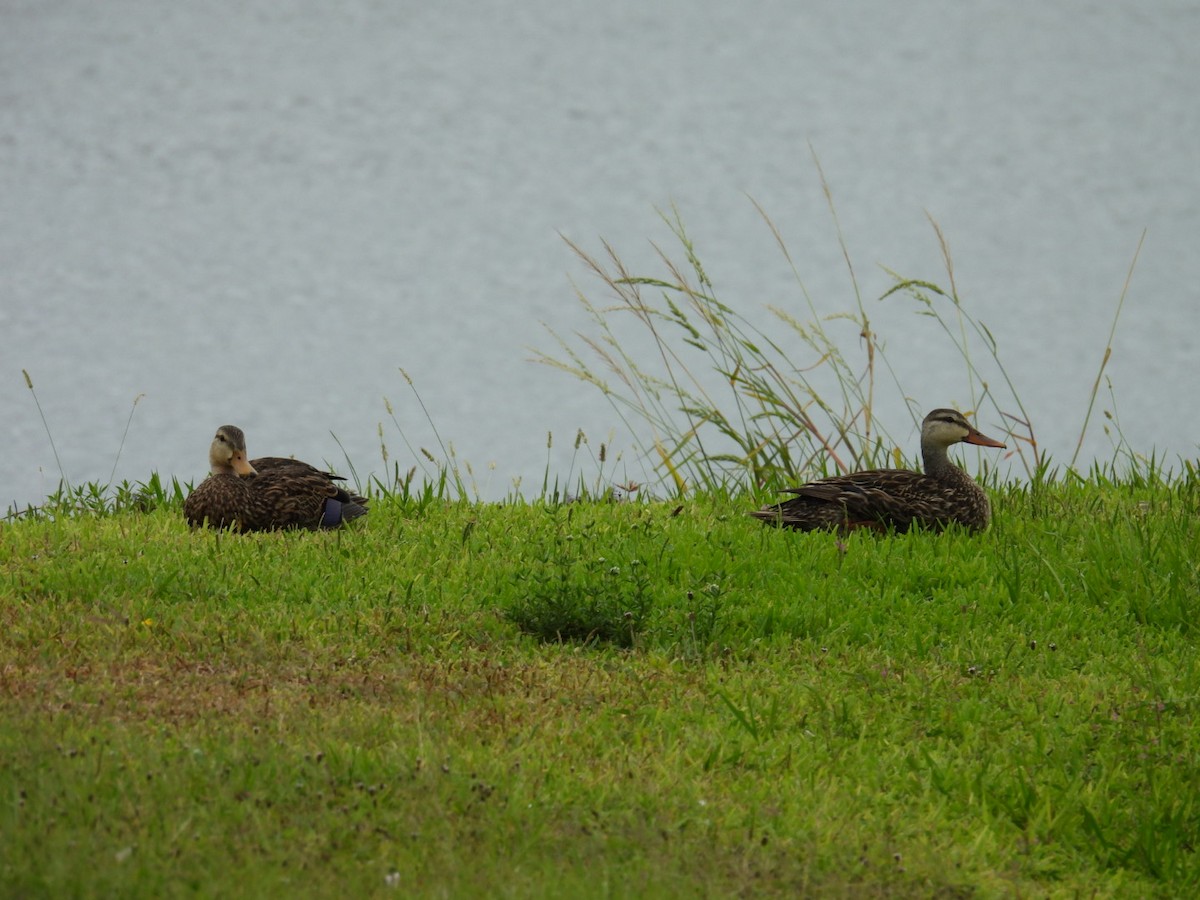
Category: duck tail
[338,512]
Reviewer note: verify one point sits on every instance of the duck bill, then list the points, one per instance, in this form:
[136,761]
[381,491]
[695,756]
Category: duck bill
[240,464]
[975,437]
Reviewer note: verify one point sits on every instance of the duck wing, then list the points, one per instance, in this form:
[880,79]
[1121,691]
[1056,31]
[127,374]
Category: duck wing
[894,498]
[276,464]
[271,463]
[880,498]
[300,496]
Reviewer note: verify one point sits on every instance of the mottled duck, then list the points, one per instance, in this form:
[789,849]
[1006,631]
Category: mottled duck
[895,499]
[268,493]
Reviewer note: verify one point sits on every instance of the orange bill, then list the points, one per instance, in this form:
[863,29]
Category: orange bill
[975,437]
[240,464]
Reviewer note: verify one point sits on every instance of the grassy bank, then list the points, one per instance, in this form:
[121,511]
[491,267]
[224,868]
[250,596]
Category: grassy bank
[737,710]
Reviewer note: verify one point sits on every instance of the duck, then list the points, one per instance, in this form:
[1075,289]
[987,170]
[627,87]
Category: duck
[270,493]
[895,499]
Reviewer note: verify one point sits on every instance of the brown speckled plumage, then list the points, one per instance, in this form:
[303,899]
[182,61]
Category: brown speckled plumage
[267,493]
[895,498]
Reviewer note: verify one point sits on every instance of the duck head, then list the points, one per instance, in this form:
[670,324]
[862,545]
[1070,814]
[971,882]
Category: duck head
[227,455]
[944,427]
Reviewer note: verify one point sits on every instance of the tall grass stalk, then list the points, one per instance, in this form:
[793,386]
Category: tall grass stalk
[124,436]
[46,425]
[865,332]
[349,463]
[574,485]
[1107,350]
[448,472]
[96,497]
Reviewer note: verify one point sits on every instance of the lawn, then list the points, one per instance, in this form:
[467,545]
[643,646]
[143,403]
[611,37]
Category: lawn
[606,699]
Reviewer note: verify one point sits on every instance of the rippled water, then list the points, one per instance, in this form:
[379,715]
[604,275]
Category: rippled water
[258,212]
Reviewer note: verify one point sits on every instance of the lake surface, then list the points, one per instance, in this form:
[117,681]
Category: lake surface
[260,212]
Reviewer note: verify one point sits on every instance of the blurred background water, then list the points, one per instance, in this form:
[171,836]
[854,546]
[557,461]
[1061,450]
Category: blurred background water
[259,212]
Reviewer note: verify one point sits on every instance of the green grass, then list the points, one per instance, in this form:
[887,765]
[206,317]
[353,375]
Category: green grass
[734,709]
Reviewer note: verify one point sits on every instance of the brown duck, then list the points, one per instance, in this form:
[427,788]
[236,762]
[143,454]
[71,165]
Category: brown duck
[895,499]
[268,493]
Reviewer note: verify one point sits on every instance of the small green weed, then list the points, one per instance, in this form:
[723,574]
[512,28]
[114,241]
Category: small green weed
[577,587]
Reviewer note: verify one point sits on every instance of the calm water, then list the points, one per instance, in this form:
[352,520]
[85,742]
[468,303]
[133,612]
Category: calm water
[258,212]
